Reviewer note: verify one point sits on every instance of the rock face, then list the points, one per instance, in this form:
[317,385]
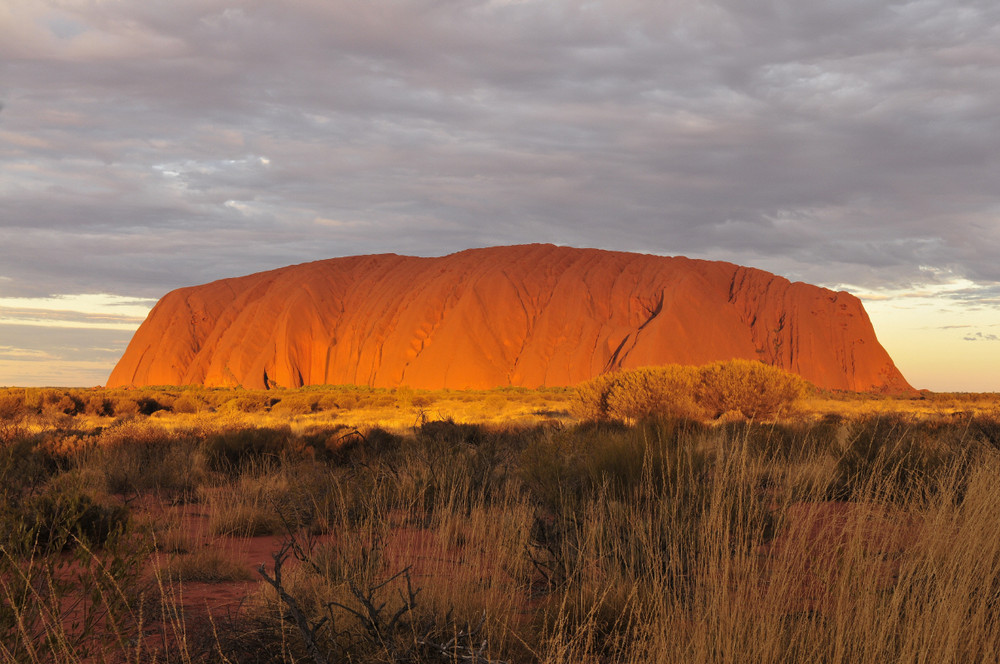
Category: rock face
[528,315]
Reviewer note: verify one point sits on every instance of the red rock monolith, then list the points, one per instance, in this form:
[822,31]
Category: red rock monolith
[532,315]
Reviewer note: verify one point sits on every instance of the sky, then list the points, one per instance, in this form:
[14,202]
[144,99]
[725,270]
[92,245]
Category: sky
[147,145]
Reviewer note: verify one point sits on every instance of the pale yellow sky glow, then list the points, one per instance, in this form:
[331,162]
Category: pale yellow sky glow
[90,303]
[89,311]
[938,341]
[66,340]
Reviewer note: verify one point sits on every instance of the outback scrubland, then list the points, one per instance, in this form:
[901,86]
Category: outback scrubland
[727,513]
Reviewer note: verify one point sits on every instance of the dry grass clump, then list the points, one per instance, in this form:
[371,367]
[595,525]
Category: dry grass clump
[206,565]
[626,540]
[138,456]
[246,507]
[170,536]
[271,499]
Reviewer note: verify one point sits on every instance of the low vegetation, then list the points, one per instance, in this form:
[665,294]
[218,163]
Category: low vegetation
[740,388]
[705,515]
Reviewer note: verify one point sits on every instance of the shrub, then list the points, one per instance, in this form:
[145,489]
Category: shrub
[748,388]
[297,404]
[186,404]
[56,519]
[135,456]
[654,391]
[206,566]
[65,404]
[100,406]
[11,406]
[590,401]
[232,450]
[12,413]
[149,405]
[752,389]
[122,406]
[891,458]
[251,402]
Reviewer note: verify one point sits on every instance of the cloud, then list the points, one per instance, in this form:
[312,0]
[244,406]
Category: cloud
[147,146]
[980,336]
[88,311]
[20,354]
[46,355]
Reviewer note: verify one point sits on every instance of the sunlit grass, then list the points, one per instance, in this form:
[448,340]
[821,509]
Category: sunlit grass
[493,526]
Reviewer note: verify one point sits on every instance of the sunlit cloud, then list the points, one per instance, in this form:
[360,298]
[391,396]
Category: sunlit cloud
[955,288]
[96,311]
[22,354]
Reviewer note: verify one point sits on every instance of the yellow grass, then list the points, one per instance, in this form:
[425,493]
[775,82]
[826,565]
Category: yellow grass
[858,530]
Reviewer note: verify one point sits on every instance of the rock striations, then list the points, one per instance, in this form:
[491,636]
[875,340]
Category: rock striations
[527,315]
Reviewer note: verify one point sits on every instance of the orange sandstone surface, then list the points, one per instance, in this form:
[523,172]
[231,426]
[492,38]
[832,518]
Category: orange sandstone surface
[533,315]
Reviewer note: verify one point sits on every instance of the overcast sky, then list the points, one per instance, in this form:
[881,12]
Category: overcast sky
[152,144]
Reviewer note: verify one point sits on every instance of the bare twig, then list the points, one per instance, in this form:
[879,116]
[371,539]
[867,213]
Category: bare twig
[308,631]
[461,647]
[371,618]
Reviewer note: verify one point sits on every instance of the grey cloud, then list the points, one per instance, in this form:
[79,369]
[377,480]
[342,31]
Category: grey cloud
[979,336]
[835,142]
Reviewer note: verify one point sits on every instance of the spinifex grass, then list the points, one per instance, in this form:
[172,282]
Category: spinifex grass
[670,541]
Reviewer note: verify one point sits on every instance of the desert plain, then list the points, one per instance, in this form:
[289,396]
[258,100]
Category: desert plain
[341,523]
